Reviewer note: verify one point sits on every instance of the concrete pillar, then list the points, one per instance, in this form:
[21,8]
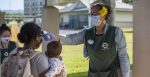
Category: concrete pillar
[141,38]
[50,21]
[2,14]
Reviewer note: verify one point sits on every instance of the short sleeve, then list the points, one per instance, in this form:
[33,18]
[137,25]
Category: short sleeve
[39,64]
[120,39]
[54,68]
[42,63]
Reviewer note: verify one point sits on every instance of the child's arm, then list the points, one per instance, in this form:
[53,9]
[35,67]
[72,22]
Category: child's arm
[63,72]
[53,69]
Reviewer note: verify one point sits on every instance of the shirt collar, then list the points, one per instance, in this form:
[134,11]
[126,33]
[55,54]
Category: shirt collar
[105,30]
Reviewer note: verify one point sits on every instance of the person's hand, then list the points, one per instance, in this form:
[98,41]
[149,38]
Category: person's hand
[48,36]
[57,38]
[62,74]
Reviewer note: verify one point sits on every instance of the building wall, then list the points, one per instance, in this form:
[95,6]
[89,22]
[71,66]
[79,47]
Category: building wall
[64,18]
[74,20]
[123,16]
[1,17]
[124,19]
[33,7]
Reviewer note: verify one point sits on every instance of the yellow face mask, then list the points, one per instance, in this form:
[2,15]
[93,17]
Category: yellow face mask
[104,11]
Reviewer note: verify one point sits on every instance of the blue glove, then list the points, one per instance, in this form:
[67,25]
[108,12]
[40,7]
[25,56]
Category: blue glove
[48,36]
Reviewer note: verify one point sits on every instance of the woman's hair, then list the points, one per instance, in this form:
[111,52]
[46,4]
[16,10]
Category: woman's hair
[99,6]
[28,32]
[4,28]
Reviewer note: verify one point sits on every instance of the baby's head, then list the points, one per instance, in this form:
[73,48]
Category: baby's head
[54,49]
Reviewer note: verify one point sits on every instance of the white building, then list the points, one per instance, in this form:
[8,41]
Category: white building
[33,7]
[123,15]
[75,16]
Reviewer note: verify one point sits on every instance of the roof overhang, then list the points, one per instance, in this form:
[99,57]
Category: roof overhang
[60,2]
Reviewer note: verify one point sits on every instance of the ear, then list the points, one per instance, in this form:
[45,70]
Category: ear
[38,38]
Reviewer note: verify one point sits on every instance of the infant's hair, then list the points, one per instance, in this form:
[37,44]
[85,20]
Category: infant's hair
[53,44]
[54,48]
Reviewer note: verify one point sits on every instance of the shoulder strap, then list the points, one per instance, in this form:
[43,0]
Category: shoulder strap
[33,55]
[13,44]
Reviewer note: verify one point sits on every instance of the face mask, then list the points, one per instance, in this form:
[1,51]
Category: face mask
[95,20]
[5,39]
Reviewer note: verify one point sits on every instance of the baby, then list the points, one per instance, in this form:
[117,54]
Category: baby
[57,67]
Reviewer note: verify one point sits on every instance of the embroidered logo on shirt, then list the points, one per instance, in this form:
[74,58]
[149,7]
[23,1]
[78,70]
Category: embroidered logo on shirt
[105,45]
[6,54]
[90,41]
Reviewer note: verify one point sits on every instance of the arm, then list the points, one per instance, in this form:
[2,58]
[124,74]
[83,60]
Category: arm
[122,53]
[54,68]
[39,65]
[63,72]
[73,39]
[4,68]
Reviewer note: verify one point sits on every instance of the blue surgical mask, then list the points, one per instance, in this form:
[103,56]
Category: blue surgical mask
[95,20]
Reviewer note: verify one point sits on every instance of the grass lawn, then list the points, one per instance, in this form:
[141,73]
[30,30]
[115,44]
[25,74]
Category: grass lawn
[77,66]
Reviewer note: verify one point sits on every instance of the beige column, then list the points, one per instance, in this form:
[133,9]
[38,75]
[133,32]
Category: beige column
[50,21]
[2,14]
[141,38]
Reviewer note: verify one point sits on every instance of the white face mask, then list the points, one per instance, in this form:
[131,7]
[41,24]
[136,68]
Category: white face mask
[5,39]
[95,20]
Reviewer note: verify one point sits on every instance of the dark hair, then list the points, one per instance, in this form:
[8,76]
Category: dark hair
[3,28]
[99,6]
[52,49]
[28,32]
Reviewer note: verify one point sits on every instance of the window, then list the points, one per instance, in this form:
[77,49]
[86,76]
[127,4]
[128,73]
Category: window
[32,9]
[33,4]
[41,8]
[41,3]
[36,9]
[36,4]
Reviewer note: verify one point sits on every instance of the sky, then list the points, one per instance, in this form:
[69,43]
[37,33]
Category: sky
[11,4]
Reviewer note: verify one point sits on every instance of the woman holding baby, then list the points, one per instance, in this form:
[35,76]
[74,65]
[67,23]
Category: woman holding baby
[27,62]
